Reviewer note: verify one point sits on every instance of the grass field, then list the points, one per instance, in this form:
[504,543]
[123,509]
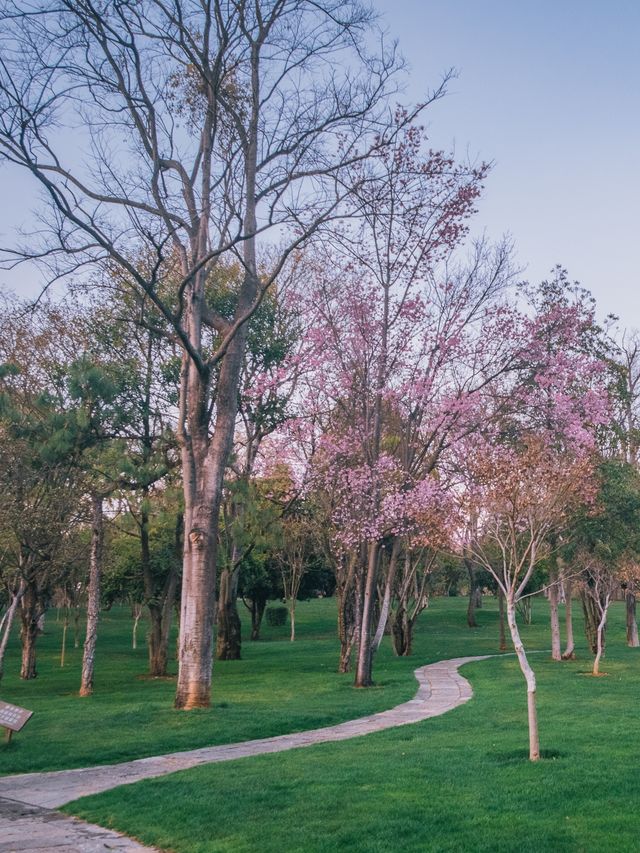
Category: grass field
[460,782]
[278,687]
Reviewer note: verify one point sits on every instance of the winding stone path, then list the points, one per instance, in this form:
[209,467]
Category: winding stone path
[26,800]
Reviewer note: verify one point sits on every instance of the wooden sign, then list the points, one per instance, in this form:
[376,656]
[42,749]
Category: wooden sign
[13,718]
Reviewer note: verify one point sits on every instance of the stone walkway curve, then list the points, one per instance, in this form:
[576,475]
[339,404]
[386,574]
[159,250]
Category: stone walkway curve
[27,800]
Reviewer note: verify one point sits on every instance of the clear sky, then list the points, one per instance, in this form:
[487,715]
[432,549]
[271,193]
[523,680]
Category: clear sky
[549,90]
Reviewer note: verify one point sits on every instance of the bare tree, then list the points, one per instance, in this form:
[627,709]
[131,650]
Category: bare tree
[186,131]
[521,501]
[294,559]
[599,586]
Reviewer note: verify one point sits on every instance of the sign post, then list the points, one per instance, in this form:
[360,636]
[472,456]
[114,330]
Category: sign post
[13,718]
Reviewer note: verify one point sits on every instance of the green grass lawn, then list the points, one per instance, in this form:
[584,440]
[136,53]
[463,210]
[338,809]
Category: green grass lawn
[278,687]
[460,782]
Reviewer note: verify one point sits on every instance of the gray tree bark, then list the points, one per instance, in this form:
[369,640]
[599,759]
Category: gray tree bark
[93,596]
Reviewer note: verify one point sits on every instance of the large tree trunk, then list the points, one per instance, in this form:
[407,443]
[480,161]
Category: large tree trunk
[204,458]
[364,665]
[197,608]
[556,646]
[93,596]
[530,678]
[203,474]
[228,628]
[569,652]
[632,624]
[7,623]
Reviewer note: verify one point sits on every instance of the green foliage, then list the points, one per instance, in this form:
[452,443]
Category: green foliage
[276,616]
[611,529]
[122,580]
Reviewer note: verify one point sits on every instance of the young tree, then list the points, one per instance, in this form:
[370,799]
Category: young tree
[294,559]
[605,546]
[522,491]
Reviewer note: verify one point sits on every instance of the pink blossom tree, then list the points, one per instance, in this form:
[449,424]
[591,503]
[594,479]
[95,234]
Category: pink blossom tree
[405,344]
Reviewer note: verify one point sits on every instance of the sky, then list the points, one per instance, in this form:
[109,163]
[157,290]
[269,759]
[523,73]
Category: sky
[549,92]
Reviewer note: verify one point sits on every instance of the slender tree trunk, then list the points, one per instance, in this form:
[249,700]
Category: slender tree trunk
[28,667]
[347,599]
[30,611]
[228,627]
[556,646]
[292,619]
[346,648]
[93,597]
[530,679]
[401,631]
[63,649]
[632,624]
[590,621]
[600,641]
[76,628]
[569,652]
[256,609]
[388,591]
[7,623]
[471,606]
[365,648]
[503,640]
[161,613]
[137,613]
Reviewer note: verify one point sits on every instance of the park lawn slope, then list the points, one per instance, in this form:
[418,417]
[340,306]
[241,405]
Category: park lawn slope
[460,782]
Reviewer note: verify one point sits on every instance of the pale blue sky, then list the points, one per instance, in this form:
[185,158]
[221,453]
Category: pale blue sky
[547,89]
[550,91]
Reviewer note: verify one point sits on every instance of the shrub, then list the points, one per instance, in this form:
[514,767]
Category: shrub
[276,615]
